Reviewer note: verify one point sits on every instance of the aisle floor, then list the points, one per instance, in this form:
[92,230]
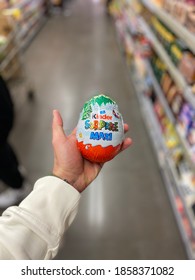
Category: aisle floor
[125,213]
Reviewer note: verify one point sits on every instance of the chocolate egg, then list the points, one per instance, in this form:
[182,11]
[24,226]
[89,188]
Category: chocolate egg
[100,130]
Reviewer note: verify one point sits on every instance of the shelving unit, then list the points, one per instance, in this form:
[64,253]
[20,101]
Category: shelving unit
[176,188]
[33,29]
[173,186]
[169,114]
[181,137]
[160,94]
[175,73]
[173,24]
[30,19]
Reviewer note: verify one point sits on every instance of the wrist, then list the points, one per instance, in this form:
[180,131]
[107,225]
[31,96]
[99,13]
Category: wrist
[62,177]
[68,178]
[65,180]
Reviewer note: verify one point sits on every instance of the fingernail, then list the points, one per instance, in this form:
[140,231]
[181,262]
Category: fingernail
[54,112]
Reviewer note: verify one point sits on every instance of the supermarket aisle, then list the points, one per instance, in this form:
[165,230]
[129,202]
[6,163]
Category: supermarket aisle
[125,213]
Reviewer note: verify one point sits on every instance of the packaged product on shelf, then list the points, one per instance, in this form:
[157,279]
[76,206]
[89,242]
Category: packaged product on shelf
[165,36]
[187,67]
[193,208]
[183,11]
[179,204]
[190,23]
[158,2]
[168,6]
[120,27]
[145,46]
[185,174]
[171,137]
[158,109]
[147,15]
[56,2]
[191,135]
[176,103]
[3,40]
[185,118]
[180,11]
[176,51]
[115,8]
[6,42]
[187,181]
[171,93]
[151,94]
[165,123]
[190,201]
[187,227]
[5,25]
[193,89]
[13,70]
[136,5]
[166,83]
[128,48]
[159,67]
[140,65]
[178,157]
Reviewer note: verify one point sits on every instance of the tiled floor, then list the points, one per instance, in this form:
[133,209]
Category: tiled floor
[125,213]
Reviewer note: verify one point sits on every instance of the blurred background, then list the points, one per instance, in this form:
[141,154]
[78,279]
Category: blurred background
[57,55]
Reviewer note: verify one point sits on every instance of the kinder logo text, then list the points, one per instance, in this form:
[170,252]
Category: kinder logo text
[101,116]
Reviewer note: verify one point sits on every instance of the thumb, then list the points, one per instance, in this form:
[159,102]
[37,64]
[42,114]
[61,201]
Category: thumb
[57,126]
[57,119]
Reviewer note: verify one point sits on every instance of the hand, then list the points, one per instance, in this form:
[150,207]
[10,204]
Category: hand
[68,162]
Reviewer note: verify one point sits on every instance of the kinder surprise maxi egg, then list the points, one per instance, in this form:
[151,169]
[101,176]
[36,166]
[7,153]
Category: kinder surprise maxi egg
[100,130]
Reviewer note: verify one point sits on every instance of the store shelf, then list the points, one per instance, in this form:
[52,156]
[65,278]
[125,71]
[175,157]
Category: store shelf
[157,138]
[23,44]
[186,146]
[173,24]
[171,117]
[179,79]
[180,190]
[169,187]
[169,175]
[22,34]
[147,110]
[8,58]
[189,96]
[32,31]
[148,4]
[10,37]
[174,72]
[22,4]
[176,188]
[160,94]
[176,75]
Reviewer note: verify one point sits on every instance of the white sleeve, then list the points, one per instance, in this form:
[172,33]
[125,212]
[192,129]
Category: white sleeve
[34,229]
